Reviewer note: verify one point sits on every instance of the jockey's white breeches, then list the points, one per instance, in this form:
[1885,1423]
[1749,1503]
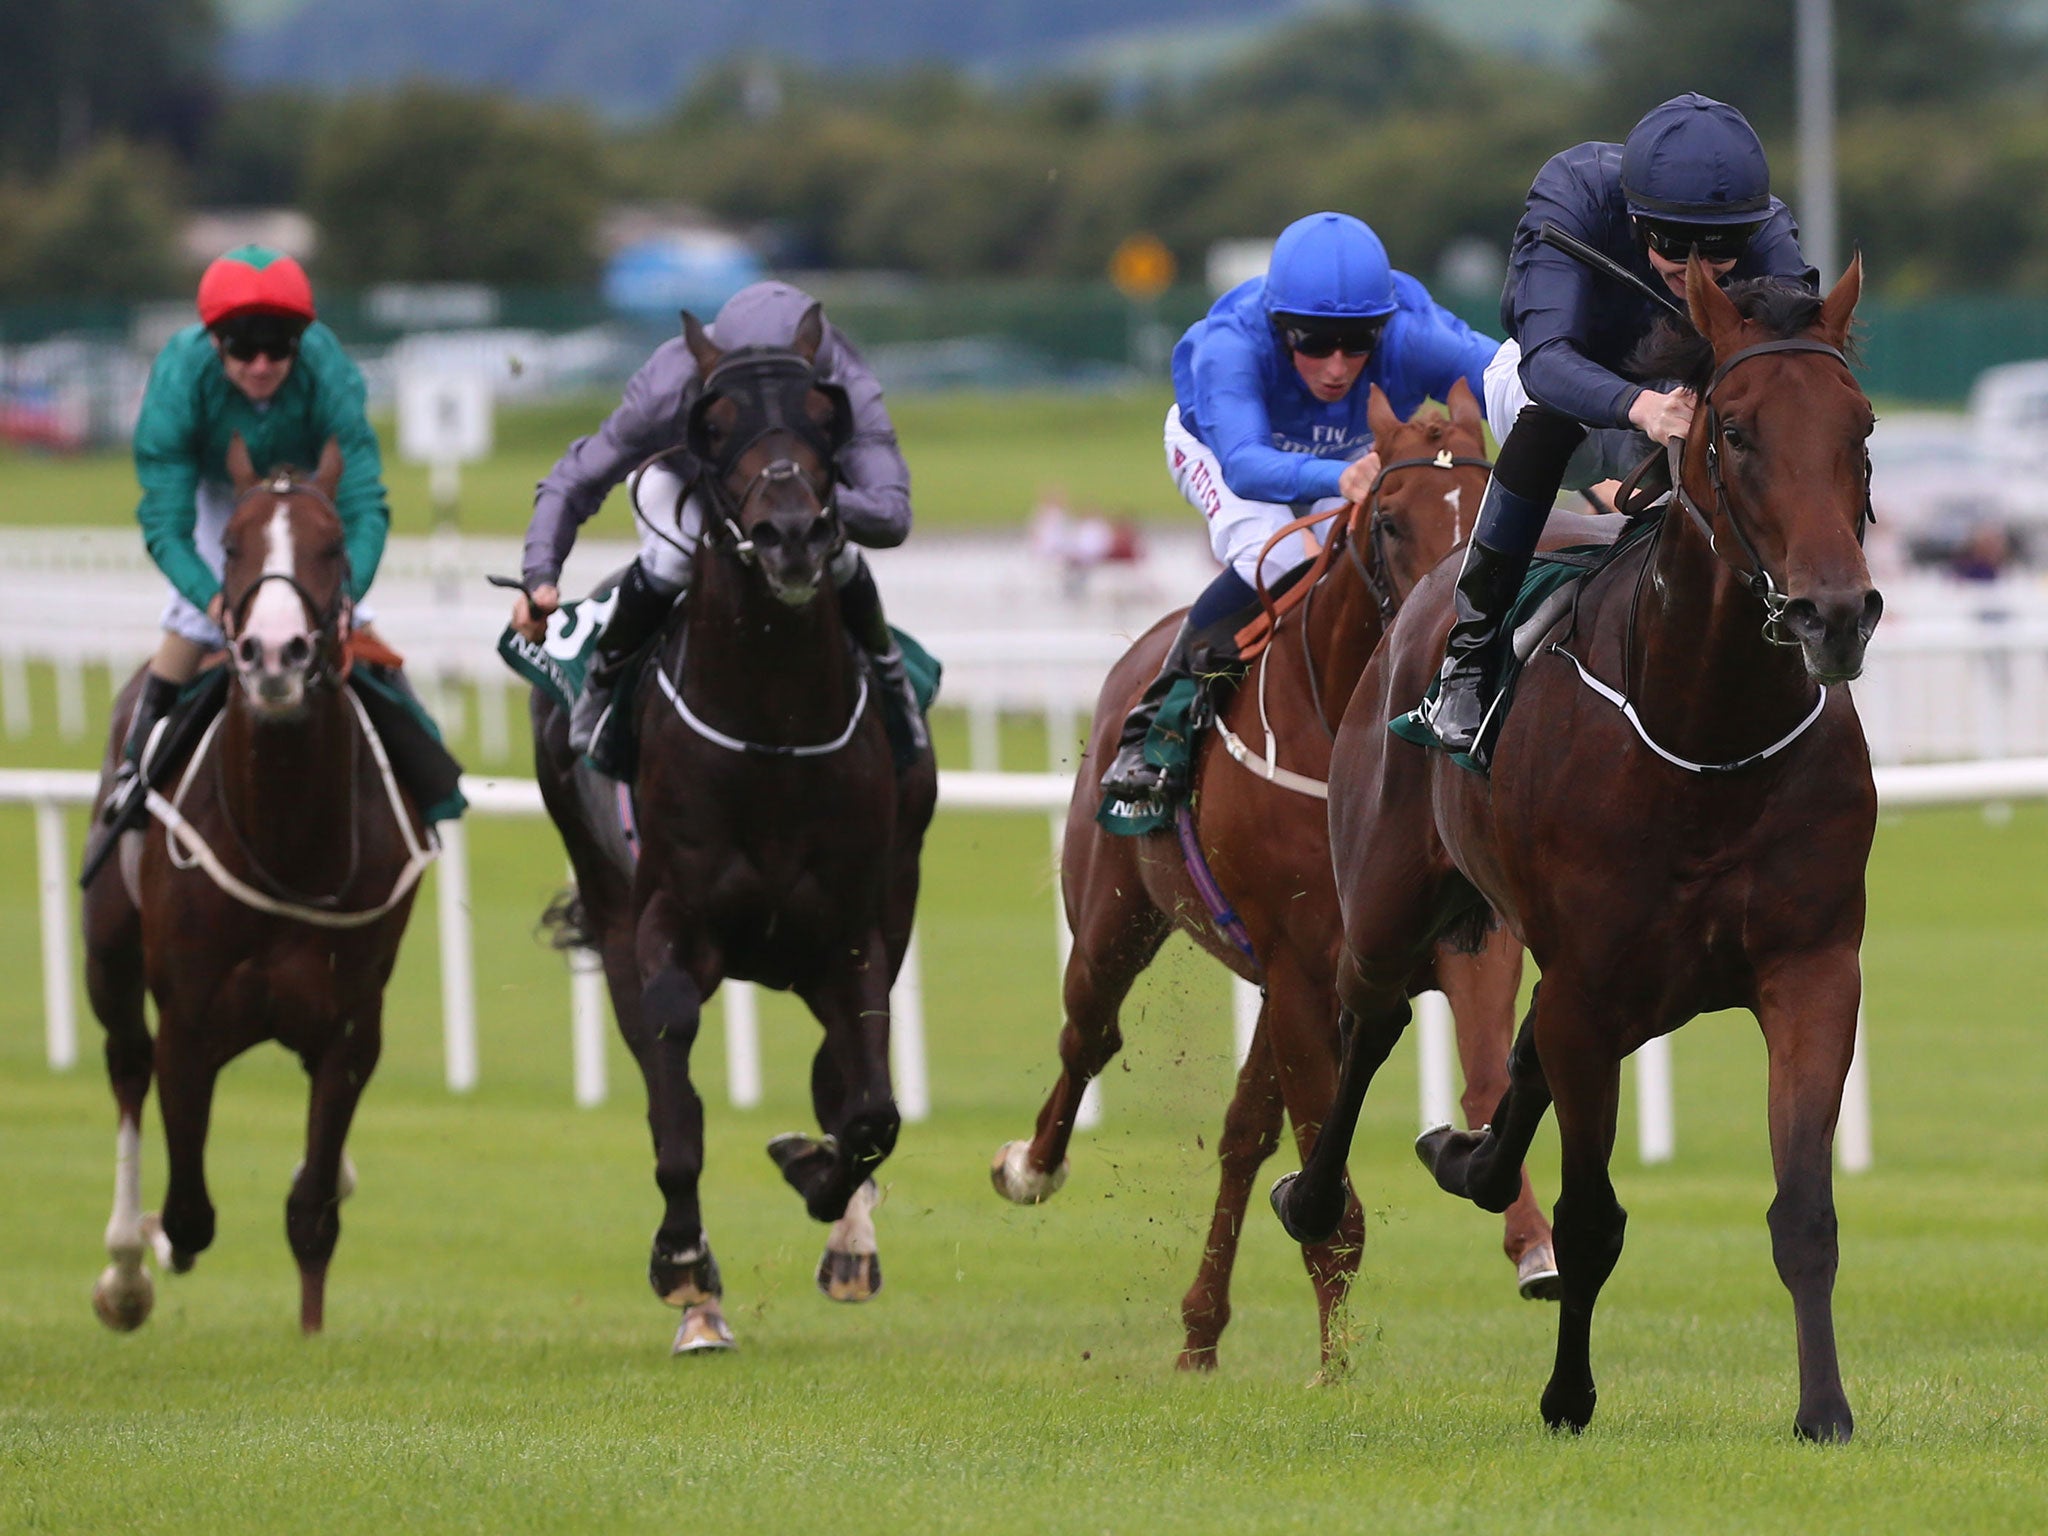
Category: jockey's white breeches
[1608,453]
[1238,529]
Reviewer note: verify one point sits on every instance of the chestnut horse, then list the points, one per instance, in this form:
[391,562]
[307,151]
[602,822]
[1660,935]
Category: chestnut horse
[265,901]
[779,841]
[1678,819]
[1268,846]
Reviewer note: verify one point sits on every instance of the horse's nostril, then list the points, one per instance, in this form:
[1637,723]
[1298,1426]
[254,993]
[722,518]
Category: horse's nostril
[295,651]
[767,536]
[1873,610]
[249,650]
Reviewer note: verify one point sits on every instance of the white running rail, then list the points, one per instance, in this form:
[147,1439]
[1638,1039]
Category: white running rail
[49,792]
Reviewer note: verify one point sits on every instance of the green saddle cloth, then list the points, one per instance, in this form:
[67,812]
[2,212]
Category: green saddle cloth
[1549,572]
[1169,745]
[559,664]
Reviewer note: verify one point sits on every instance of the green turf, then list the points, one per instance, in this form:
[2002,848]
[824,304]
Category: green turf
[977,461]
[494,1361]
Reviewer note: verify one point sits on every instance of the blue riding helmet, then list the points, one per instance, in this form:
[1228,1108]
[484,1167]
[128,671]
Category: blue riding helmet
[1695,160]
[1329,266]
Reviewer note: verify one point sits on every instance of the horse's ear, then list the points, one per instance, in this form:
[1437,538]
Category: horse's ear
[1714,314]
[1464,406]
[1839,307]
[810,331]
[1379,415]
[240,470]
[328,474]
[701,346]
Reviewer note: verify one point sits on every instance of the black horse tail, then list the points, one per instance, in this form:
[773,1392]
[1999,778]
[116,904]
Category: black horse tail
[566,923]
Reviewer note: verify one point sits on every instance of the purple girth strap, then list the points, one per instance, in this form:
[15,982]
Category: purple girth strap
[1228,923]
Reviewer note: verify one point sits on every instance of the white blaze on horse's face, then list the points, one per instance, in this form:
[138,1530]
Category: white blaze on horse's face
[1454,498]
[275,645]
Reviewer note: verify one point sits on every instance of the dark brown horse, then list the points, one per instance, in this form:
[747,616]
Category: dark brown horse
[1702,849]
[265,902]
[1268,846]
[779,842]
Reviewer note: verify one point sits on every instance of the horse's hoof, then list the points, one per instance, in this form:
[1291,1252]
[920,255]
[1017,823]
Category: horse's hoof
[1017,1181]
[685,1279]
[123,1300]
[704,1331]
[1831,1428]
[849,1276]
[1201,1360]
[1430,1142]
[1303,1232]
[1536,1275]
[167,1257]
[793,1148]
[1568,1409]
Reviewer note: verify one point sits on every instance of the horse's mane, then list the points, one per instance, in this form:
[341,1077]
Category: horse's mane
[1674,350]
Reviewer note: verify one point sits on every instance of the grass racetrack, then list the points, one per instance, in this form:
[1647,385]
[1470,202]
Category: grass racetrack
[495,1362]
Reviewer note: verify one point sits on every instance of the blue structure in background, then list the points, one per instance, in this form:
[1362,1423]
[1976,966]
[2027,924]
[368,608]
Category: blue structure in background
[652,279]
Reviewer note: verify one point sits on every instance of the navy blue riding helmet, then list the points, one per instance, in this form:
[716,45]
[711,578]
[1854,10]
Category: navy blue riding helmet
[1694,175]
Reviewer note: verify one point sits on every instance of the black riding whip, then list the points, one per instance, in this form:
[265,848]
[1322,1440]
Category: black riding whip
[1551,234]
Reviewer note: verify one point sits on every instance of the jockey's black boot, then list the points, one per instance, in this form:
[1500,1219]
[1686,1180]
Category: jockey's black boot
[860,609]
[635,619]
[1130,776]
[1495,562]
[151,705]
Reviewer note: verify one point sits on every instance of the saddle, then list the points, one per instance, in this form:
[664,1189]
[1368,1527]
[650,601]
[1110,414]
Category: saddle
[560,664]
[1550,594]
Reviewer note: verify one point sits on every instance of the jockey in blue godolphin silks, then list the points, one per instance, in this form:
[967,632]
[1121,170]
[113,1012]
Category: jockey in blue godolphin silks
[1690,178]
[1269,421]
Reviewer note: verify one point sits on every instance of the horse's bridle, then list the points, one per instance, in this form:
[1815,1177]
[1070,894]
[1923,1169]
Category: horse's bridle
[1374,572]
[1758,579]
[325,669]
[779,471]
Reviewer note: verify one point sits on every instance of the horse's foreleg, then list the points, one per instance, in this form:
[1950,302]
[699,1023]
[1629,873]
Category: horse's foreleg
[1117,931]
[1808,1014]
[1311,1204]
[680,1267]
[1585,1076]
[124,1293]
[312,1211]
[1481,989]
[1251,1134]
[185,1079]
[850,1088]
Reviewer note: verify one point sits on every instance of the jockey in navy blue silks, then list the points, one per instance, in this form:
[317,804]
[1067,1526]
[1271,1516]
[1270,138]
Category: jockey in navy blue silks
[1269,421]
[1691,177]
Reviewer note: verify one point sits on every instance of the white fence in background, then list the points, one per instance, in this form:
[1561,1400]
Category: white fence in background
[49,792]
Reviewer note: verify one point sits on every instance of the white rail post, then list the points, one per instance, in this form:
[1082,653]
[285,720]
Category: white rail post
[1852,1130]
[60,1012]
[1245,1002]
[586,1025]
[907,1065]
[1656,1129]
[70,679]
[493,721]
[1436,1047]
[984,736]
[14,697]
[742,1044]
[458,959]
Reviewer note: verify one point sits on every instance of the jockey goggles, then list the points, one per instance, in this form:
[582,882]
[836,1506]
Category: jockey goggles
[1715,242]
[1354,338]
[246,338]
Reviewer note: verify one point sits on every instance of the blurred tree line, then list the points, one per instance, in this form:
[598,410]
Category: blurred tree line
[1375,109]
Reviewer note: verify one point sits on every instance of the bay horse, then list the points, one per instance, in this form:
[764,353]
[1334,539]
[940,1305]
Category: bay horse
[265,901]
[778,841]
[1678,819]
[1268,846]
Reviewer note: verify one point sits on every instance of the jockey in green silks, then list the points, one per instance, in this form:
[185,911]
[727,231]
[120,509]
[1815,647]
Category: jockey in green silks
[260,365]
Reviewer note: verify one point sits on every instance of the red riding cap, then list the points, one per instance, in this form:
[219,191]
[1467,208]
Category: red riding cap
[253,279]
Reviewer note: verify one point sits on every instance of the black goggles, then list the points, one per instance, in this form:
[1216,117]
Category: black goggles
[248,340]
[1714,242]
[1354,338]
